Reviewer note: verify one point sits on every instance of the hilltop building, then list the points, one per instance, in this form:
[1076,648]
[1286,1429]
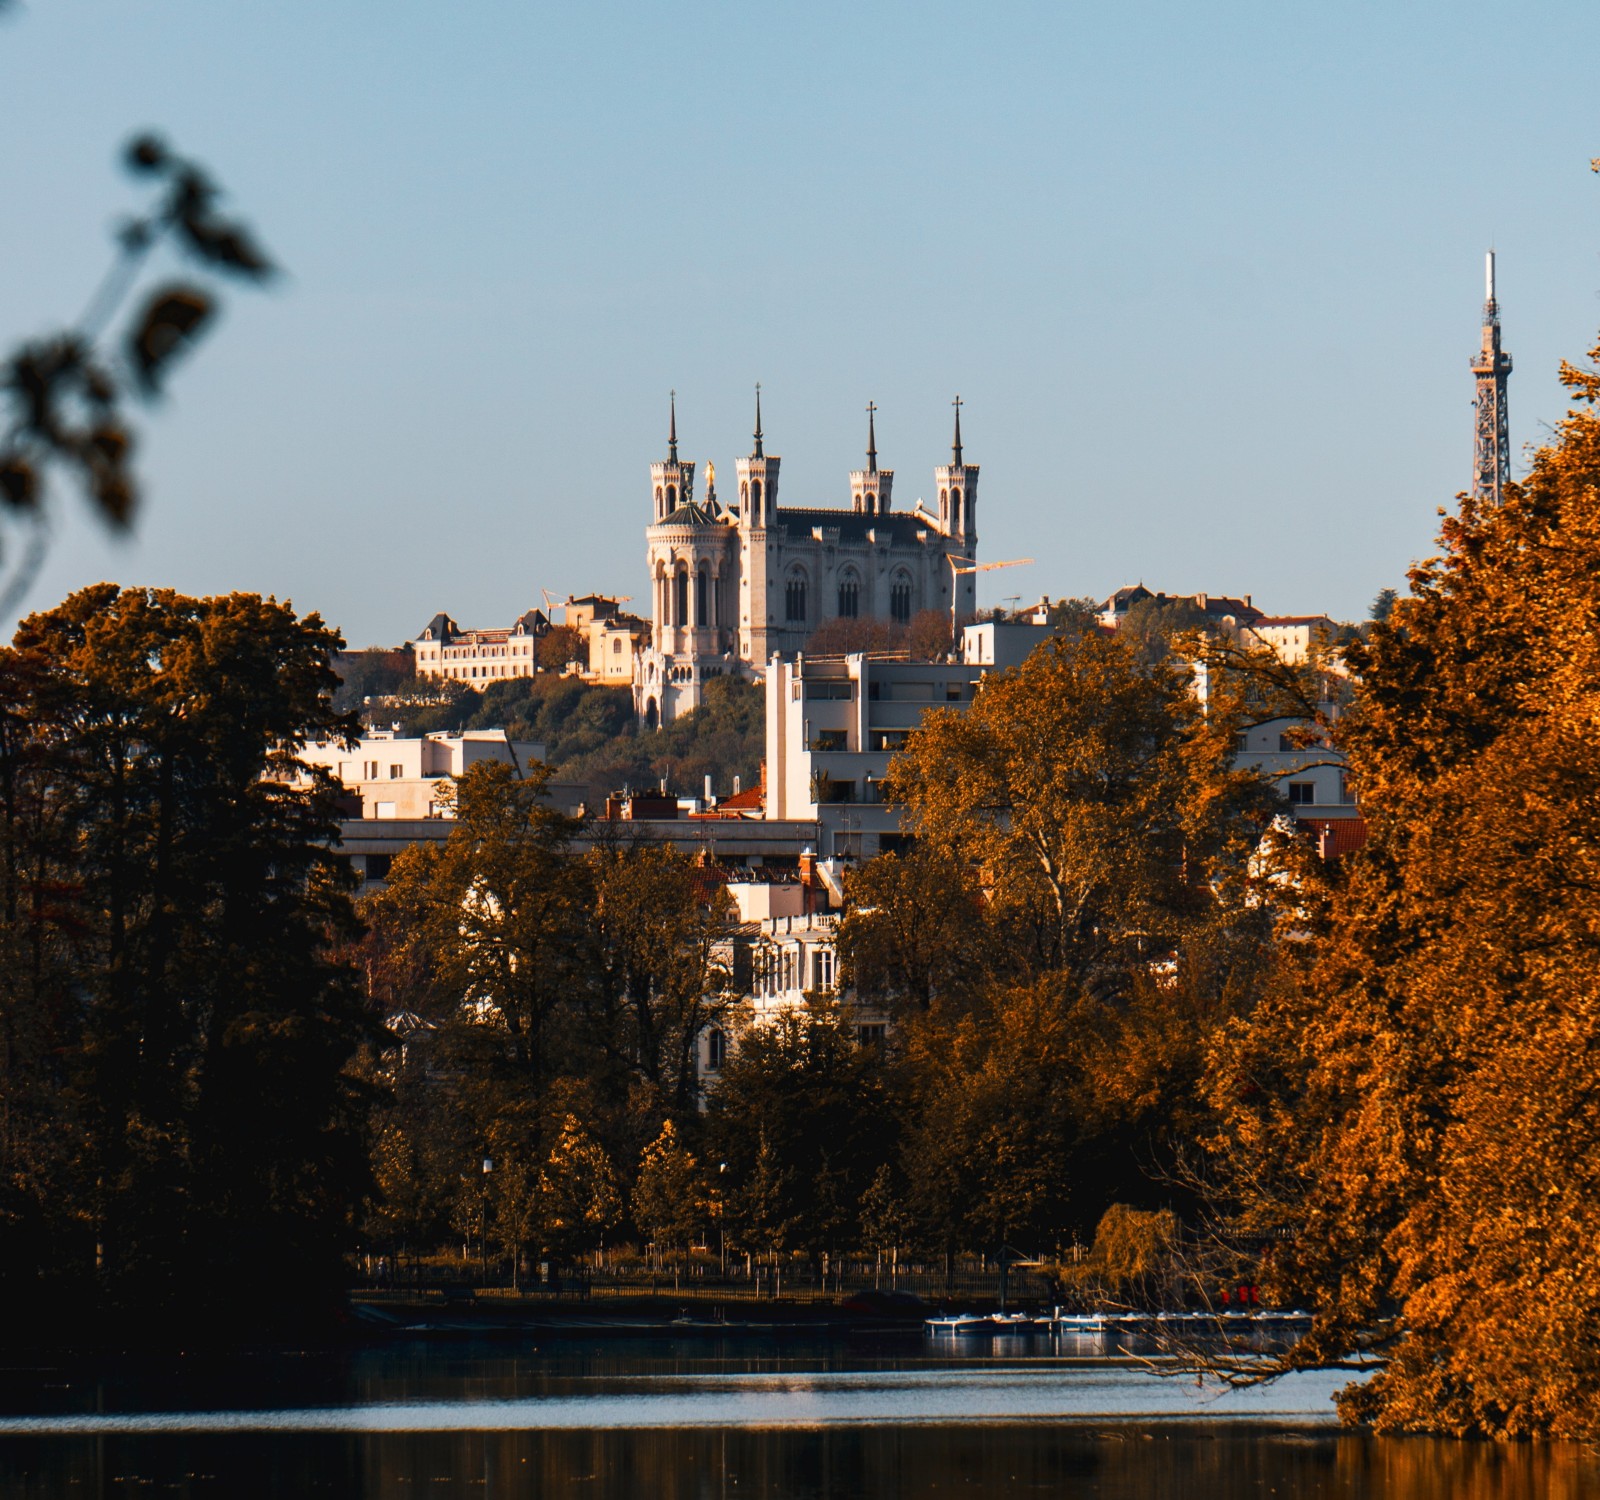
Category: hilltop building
[731,585]
[445,650]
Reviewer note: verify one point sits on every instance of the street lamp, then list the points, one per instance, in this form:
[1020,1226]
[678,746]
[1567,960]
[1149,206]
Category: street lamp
[483,1223]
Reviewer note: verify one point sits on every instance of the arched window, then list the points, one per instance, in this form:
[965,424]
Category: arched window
[658,500]
[955,510]
[869,503]
[755,500]
[680,610]
[849,596]
[672,497]
[616,646]
[900,600]
[702,596]
[716,1050]
[944,506]
[794,598]
[651,718]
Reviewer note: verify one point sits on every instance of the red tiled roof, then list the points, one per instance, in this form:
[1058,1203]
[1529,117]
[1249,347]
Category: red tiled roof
[1336,837]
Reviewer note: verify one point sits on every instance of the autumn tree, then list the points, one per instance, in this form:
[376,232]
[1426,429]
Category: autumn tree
[1412,1116]
[1084,867]
[660,981]
[800,1116]
[669,1196]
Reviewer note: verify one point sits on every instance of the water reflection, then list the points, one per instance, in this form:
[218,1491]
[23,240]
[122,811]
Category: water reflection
[998,1463]
[798,1419]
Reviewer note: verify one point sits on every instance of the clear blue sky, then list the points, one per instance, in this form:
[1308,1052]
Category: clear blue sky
[1207,277]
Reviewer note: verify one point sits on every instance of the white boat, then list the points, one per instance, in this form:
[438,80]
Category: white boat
[957,1323]
[1079,1323]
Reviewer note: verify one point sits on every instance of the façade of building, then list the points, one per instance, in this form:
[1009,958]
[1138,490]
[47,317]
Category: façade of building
[733,583]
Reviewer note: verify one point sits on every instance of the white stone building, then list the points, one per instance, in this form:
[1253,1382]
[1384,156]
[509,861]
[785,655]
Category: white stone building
[445,650]
[411,778]
[732,584]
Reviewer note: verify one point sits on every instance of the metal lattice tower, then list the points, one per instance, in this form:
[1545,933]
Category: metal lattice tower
[1491,366]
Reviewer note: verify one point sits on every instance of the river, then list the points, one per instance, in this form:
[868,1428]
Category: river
[799,1418]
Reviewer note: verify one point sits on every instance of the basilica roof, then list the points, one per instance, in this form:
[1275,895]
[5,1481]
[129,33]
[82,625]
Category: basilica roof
[900,526]
[691,515]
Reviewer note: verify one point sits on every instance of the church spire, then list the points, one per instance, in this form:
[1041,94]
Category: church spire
[758,453]
[955,447]
[872,438]
[1491,367]
[672,432]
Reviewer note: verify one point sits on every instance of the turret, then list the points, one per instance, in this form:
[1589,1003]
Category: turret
[957,484]
[758,482]
[672,482]
[871,487]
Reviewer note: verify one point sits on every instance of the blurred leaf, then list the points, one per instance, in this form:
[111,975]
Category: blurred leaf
[115,496]
[227,245]
[172,318]
[19,484]
[145,153]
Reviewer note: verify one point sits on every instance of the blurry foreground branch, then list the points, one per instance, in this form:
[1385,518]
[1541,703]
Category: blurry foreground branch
[63,397]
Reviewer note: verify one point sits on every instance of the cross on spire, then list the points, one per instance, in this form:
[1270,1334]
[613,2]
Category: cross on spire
[757,453]
[672,435]
[955,450]
[872,438]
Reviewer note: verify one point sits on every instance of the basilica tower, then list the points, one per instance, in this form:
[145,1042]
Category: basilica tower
[957,483]
[758,514]
[871,488]
[1491,368]
[672,481]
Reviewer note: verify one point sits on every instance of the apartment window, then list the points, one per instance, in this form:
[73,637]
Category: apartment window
[822,969]
[834,689]
[829,739]
[872,1035]
[1302,793]
[1286,743]
[716,1051]
[396,772]
[889,739]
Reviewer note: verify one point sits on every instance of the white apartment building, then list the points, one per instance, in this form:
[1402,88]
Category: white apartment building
[410,778]
[784,949]
[834,724]
[1310,774]
[1293,637]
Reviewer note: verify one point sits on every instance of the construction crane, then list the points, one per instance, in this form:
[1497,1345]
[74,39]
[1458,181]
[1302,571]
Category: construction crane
[960,565]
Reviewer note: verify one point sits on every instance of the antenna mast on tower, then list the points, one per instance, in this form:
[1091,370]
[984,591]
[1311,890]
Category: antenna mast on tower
[1491,367]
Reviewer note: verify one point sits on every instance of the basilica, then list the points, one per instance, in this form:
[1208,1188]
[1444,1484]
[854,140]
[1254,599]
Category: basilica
[733,584]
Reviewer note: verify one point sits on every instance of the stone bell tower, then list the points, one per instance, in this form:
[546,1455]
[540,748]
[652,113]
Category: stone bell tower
[957,484]
[672,481]
[758,513]
[871,487]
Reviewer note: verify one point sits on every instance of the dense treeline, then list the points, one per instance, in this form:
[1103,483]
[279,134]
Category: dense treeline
[1076,917]
[176,1122]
